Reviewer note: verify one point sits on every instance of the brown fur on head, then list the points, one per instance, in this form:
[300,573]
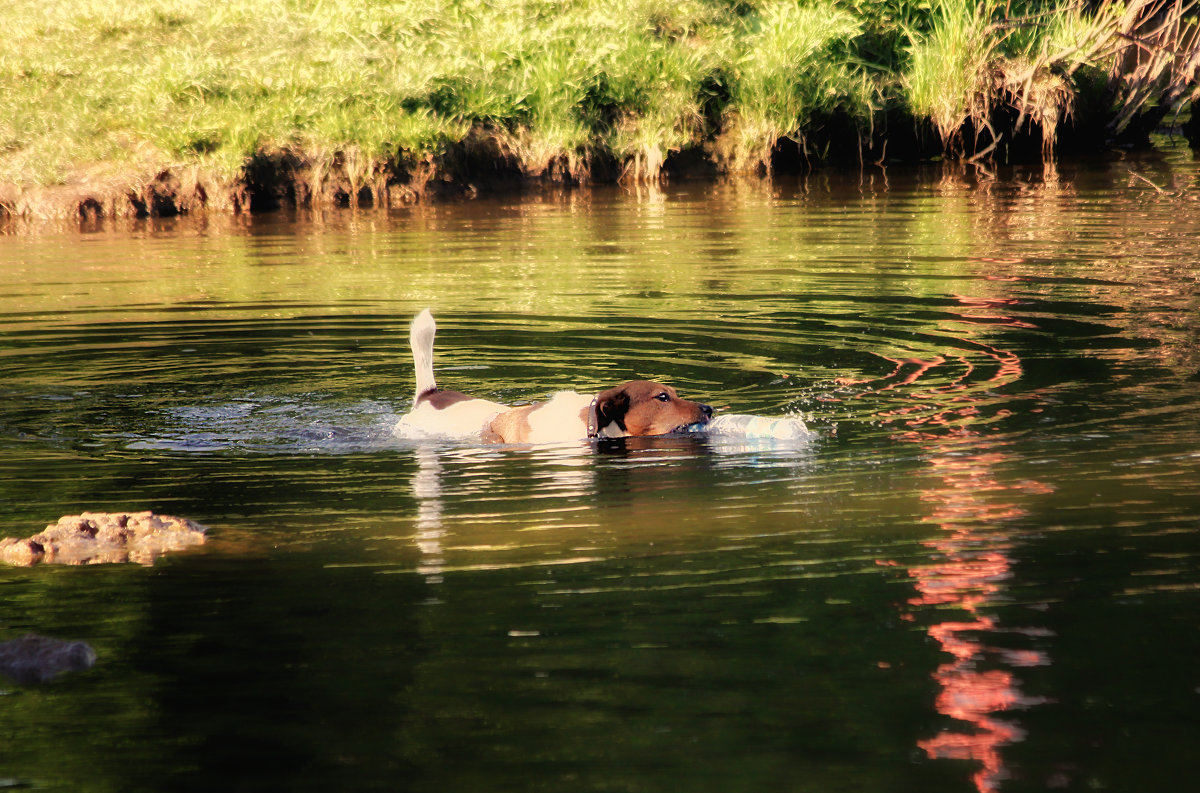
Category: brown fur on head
[643,407]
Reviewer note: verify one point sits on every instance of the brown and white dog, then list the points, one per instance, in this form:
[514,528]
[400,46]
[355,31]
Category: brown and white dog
[639,407]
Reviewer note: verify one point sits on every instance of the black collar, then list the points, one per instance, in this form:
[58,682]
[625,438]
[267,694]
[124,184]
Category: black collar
[593,421]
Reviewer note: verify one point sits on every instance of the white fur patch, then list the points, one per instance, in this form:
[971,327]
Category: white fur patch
[462,420]
[560,418]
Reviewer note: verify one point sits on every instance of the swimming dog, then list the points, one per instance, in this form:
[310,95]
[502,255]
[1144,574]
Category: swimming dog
[639,407]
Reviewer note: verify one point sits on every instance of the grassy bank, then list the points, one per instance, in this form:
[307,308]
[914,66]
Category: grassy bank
[172,105]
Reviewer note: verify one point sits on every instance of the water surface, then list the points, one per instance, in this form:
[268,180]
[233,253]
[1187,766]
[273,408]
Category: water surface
[980,574]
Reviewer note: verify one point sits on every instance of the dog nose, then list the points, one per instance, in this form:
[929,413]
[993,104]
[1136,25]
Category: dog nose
[706,410]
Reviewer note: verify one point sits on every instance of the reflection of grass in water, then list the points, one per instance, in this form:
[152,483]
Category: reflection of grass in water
[724,278]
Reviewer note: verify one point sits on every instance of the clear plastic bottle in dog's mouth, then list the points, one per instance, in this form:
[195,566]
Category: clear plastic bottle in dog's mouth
[742,425]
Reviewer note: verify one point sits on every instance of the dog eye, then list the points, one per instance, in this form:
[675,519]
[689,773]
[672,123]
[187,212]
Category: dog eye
[663,397]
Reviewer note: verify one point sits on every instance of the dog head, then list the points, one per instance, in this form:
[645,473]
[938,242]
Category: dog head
[643,407]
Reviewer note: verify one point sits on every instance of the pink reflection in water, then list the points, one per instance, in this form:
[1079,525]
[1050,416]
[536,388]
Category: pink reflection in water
[972,508]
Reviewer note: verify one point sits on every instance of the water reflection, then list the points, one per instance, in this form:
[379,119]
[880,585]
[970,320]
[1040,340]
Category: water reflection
[427,490]
[721,631]
[973,508]
[465,476]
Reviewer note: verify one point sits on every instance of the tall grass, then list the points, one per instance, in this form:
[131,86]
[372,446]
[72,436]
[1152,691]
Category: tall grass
[651,97]
[791,65]
[961,42]
[980,66]
[1158,64]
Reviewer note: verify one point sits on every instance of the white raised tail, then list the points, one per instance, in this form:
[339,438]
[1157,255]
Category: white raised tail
[440,414]
[420,338]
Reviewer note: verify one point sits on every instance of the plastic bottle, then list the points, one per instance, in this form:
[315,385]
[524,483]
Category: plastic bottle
[740,425]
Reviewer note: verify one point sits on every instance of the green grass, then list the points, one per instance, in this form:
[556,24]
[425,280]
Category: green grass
[791,65]
[1041,62]
[133,88]
[359,93]
[166,82]
[961,41]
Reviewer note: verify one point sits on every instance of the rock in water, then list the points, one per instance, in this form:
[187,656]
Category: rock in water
[104,537]
[38,659]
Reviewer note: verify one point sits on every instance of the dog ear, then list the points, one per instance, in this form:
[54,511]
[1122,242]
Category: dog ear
[612,405]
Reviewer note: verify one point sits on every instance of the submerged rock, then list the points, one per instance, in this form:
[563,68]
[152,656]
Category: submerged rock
[38,659]
[103,538]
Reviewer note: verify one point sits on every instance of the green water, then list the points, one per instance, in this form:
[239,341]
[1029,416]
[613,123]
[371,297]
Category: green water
[979,575]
